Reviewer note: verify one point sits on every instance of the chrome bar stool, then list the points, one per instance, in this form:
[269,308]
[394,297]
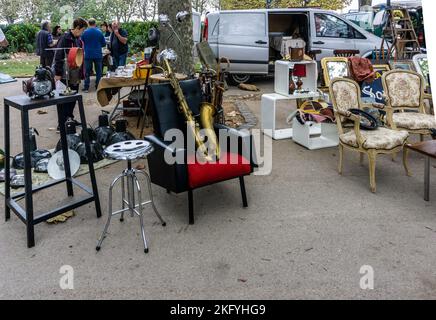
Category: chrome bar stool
[129,151]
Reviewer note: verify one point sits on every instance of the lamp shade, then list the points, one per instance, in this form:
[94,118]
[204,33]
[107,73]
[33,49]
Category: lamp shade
[300,70]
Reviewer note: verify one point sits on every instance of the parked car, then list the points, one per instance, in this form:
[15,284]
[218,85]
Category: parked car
[364,19]
[375,21]
[249,38]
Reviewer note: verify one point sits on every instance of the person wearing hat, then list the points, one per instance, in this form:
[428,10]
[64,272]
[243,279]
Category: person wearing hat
[70,39]
[3,40]
[93,41]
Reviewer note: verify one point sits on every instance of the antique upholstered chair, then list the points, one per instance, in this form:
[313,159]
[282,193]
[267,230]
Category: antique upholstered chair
[405,93]
[190,175]
[345,95]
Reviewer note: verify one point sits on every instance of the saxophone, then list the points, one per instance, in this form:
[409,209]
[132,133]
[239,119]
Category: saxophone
[207,113]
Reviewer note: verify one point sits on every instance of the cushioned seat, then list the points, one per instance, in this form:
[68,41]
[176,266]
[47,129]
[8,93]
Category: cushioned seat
[380,139]
[414,121]
[229,165]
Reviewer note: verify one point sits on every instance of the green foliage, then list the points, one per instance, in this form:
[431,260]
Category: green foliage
[19,68]
[138,34]
[21,37]
[259,4]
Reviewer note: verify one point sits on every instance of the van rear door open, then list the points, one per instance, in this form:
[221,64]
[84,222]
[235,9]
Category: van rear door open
[243,37]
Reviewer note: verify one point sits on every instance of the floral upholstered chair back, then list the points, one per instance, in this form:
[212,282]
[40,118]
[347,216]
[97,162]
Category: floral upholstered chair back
[404,90]
[345,95]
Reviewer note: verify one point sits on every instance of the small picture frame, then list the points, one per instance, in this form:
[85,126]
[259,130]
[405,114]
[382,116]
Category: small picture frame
[402,65]
[382,68]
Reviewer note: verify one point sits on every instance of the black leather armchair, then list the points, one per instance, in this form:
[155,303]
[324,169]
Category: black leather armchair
[178,177]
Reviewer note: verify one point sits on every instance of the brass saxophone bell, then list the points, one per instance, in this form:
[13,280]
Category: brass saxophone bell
[207,116]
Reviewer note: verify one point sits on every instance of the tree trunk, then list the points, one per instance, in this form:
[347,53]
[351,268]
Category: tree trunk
[184,49]
[363,3]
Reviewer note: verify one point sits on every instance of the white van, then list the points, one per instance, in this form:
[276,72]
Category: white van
[196,27]
[250,39]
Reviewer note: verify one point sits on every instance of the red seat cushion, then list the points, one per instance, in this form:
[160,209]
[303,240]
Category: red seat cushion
[229,166]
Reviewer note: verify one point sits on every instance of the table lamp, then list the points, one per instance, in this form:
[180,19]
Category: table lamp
[300,72]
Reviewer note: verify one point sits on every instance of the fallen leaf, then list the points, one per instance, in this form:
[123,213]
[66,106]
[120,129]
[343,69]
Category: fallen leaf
[140,166]
[242,280]
[61,218]
[248,87]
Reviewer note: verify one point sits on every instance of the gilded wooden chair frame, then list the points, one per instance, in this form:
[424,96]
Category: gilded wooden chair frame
[371,153]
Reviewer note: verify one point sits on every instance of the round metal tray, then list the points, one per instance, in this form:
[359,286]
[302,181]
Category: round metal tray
[129,150]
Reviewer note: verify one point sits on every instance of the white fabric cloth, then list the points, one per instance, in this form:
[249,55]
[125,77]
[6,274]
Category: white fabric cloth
[2,36]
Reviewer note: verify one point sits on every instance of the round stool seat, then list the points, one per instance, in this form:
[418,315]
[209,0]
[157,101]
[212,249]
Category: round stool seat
[131,200]
[128,150]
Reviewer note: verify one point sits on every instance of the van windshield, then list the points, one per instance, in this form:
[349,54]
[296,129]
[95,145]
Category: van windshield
[329,26]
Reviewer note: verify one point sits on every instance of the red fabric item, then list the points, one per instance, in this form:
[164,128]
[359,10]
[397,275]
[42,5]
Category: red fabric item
[300,70]
[206,30]
[361,69]
[228,167]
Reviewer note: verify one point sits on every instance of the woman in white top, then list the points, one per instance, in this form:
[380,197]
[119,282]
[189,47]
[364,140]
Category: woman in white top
[3,40]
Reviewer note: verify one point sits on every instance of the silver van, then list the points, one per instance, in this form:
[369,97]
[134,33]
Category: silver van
[251,39]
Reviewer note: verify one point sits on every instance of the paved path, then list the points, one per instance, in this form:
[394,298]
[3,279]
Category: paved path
[306,234]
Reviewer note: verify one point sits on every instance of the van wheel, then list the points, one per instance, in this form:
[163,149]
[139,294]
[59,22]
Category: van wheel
[237,79]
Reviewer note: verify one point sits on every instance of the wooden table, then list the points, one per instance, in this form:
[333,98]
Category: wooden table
[428,149]
[160,77]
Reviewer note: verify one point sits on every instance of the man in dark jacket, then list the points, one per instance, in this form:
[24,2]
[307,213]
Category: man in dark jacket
[44,40]
[118,45]
[70,39]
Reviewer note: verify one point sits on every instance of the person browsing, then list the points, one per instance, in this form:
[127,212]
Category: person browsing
[118,45]
[93,41]
[70,39]
[44,41]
